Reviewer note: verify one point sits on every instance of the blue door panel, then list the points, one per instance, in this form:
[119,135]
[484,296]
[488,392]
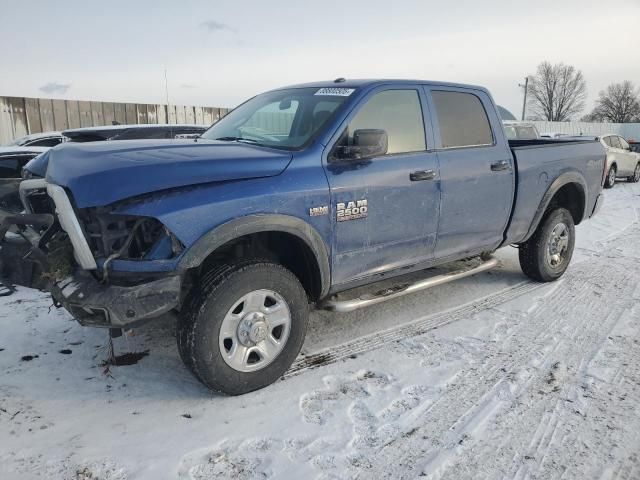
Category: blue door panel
[476,199]
[402,216]
[401,224]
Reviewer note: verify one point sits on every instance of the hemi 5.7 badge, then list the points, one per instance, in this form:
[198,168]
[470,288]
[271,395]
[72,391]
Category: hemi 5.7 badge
[351,210]
[317,211]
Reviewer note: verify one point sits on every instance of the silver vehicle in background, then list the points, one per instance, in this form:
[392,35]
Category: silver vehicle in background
[622,162]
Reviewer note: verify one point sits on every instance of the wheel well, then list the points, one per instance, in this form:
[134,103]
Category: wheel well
[570,196]
[614,165]
[283,248]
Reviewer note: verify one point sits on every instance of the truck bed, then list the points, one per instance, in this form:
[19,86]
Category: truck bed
[538,163]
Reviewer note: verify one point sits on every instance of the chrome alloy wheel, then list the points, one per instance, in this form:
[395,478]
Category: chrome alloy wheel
[612,177]
[636,173]
[255,330]
[558,245]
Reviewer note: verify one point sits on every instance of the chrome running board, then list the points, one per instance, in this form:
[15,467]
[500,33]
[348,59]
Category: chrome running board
[334,305]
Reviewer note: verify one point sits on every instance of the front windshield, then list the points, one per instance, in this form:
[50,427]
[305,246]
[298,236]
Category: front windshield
[287,119]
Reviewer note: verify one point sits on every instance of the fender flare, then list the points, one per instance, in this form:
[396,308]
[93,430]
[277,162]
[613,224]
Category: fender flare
[249,224]
[562,180]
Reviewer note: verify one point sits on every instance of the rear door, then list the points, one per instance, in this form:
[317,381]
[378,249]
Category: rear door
[384,208]
[476,171]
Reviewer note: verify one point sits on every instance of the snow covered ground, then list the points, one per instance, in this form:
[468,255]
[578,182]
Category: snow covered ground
[490,377]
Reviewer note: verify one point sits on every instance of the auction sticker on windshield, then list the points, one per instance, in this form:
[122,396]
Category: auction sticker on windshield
[339,92]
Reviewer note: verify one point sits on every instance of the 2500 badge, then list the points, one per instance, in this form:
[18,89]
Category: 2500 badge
[351,210]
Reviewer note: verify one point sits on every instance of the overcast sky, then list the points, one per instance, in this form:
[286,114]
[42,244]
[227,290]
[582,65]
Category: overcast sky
[219,53]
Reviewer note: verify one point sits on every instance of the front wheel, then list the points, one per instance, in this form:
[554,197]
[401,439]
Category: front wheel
[546,255]
[635,178]
[243,327]
[611,177]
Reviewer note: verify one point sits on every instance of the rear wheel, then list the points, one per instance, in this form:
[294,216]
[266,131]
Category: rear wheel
[546,255]
[243,328]
[635,178]
[611,177]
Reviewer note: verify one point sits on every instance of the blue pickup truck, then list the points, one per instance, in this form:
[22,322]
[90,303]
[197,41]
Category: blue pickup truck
[296,195]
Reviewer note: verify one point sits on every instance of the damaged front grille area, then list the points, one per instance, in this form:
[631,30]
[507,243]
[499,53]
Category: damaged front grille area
[39,201]
[97,233]
[128,237]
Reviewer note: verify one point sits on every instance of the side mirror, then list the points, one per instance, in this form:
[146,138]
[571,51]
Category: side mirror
[367,143]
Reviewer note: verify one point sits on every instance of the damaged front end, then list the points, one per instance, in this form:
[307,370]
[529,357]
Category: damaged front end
[75,252]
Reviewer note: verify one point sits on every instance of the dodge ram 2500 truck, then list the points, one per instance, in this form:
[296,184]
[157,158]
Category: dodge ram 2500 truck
[297,194]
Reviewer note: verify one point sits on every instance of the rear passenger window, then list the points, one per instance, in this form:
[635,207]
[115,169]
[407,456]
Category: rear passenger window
[397,112]
[510,132]
[462,119]
[615,142]
[607,141]
[527,133]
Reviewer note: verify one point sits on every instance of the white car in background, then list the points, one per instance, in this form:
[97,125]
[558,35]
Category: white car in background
[622,162]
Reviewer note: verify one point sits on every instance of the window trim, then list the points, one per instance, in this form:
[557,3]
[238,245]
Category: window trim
[359,104]
[436,124]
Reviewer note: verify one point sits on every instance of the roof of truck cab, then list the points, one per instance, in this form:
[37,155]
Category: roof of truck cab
[356,83]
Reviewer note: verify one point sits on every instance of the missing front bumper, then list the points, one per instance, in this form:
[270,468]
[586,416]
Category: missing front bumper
[91,302]
[111,306]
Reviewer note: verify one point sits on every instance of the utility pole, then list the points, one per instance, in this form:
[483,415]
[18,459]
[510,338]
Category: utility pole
[167,107]
[526,89]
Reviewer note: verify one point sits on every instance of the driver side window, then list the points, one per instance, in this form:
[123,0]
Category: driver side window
[396,112]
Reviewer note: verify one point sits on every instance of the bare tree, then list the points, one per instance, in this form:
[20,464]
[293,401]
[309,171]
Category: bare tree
[557,92]
[619,103]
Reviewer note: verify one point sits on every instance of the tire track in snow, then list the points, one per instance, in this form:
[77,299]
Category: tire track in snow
[477,395]
[555,412]
[418,327]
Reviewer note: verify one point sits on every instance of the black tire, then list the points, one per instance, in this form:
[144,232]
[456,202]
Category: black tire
[203,312]
[610,181]
[534,253]
[635,178]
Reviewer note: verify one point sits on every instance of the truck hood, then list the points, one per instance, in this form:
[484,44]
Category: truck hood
[101,173]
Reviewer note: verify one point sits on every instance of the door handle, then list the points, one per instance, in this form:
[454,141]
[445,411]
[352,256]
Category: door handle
[500,166]
[422,175]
